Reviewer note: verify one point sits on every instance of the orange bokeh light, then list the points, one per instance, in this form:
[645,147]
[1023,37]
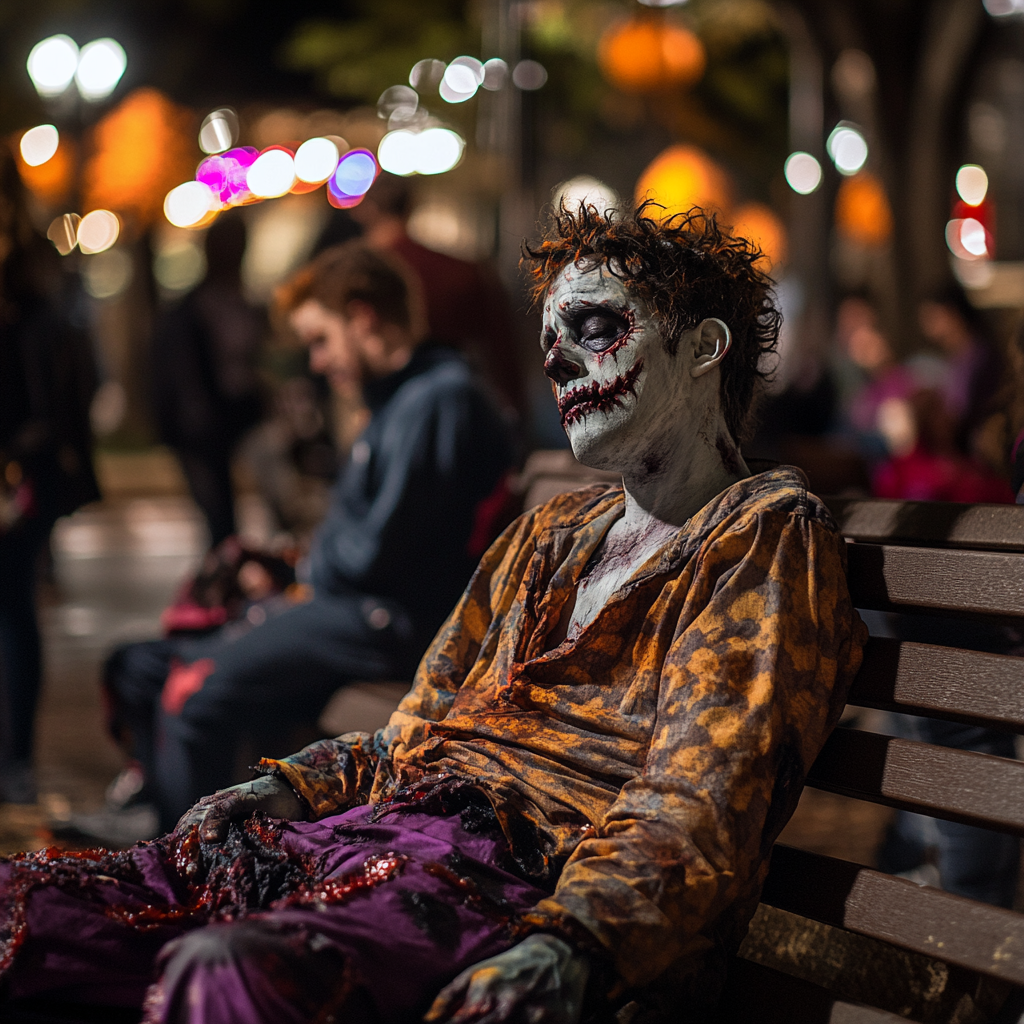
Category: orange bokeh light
[50,182]
[681,177]
[760,225]
[863,214]
[141,150]
[648,53]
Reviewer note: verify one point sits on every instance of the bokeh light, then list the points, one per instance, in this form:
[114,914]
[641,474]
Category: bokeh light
[179,265]
[51,182]
[760,225]
[1004,8]
[681,177]
[100,67]
[427,74]
[399,102]
[862,213]
[52,63]
[432,151]
[848,149]
[189,204]
[139,151]
[39,144]
[803,173]
[973,237]
[98,231]
[529,75]
[63,232]
[316,160]
[461,79]
[272,173]
[218,131]
[972,184]
[398,152]
[356,172]
[107,274]
[647,53]
[495,74]
[584,189]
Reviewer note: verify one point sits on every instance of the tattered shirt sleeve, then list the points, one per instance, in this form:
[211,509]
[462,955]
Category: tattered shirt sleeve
[756,677]
[333,774]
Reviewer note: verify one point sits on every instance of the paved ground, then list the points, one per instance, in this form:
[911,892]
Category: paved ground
[116,566]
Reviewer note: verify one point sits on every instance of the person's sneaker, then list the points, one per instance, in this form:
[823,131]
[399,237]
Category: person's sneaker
[113,827]
[128,788]
[17,783]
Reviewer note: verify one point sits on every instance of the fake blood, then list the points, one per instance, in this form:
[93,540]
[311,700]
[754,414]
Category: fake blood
[594,397]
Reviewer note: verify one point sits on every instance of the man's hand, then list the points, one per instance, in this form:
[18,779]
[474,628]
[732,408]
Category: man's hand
[539,981]
[213,813]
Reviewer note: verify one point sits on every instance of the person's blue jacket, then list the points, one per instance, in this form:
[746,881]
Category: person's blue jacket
[410,508]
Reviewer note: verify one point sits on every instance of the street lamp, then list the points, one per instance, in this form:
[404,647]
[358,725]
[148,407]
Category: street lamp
[96,68]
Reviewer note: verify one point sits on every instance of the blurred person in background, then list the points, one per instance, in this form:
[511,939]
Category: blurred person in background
[410,514]
[466,305]
[206,389]
[971,370]
[47,380]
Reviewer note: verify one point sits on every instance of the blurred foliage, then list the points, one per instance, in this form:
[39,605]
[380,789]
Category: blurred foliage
[738,111]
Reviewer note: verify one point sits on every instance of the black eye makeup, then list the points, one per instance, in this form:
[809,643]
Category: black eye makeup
[598,330]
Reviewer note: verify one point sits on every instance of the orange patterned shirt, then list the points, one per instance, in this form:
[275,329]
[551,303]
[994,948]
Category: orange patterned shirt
[656,755]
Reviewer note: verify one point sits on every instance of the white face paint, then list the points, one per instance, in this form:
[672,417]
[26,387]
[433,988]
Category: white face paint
[623,399]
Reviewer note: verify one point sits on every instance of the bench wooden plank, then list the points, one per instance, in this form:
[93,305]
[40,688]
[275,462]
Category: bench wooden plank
[942,524]
[756,992]
[941,682]
[958,785]
[979,583]
[929,921]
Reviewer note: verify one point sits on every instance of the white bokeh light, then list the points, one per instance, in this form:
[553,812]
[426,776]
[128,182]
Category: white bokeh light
[397,153]
[462,78]
[529,75]
[803,173]
[440,149]
[972,184]
[98,231]
[189,204]
[39,144]
[432,151]
[972,237]
[100,67]
[587,190]
[1004,8]
[316,160]
[51,64]
[218,131]
[848,149]
[272,174]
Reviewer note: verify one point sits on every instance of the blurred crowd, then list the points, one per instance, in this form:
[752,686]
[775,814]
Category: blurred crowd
[941,424]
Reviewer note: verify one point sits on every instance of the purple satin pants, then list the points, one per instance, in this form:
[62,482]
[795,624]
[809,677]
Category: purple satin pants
[399,907]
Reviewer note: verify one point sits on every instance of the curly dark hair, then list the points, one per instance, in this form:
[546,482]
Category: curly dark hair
[687,269]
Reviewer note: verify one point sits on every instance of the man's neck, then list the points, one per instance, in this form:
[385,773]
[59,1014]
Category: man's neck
[689,478]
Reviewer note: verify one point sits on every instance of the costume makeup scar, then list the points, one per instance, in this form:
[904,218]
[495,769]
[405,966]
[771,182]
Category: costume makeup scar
[594,397]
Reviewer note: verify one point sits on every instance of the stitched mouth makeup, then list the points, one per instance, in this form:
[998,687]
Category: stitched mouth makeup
[576,404]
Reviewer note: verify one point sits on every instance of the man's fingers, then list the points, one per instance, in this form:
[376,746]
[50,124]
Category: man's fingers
[214,827]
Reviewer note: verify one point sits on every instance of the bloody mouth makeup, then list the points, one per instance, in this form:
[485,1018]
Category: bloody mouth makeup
[594,397]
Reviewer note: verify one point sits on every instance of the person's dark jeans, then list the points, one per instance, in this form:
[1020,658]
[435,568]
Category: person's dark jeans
[20,648]
[972,862]
[209,480]
[180,706]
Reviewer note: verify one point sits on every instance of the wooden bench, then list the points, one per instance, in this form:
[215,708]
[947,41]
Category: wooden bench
[839,942]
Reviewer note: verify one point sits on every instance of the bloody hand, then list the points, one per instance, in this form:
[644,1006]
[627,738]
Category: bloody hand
[539,981]
[212,814]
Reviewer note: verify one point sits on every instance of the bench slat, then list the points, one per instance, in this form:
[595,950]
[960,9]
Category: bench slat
[926,920]
[757,992]
[941,682]
[890,578]
[944,524]
[958,785]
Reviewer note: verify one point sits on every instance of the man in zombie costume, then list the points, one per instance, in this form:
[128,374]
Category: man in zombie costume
[409,517]
[575,803]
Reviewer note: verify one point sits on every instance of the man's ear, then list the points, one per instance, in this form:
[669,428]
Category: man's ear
[712,340]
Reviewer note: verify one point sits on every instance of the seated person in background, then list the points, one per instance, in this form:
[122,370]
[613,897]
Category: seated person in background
[400,540]
[575,803]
